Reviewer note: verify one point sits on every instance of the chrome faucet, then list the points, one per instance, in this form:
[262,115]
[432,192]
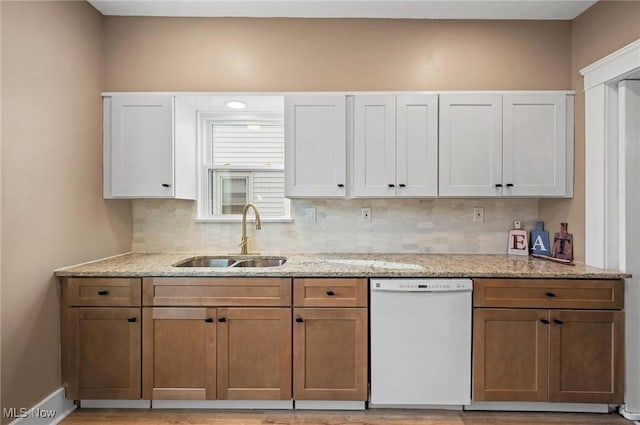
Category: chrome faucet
[243,241]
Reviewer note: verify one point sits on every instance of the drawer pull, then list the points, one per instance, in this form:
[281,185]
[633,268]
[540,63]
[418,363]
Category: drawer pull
[103,293]
[131,320]
[208,320]
[330,293]
[340,185]
[222,320]
[550,294]
[509,184]
[558,322]
[166,185]
[390,185]
[545,321]
[299,319]
[498,184]
[403,185]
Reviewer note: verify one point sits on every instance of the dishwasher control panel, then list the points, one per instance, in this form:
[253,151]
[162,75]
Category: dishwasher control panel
[419,285]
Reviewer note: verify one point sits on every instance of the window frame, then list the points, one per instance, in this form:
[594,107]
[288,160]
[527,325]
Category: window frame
[207,171]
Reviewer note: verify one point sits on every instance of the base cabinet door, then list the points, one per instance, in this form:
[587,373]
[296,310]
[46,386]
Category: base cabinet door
[586,361]
[254,353]
[510,354]
[179,353]
[101,357]
[330,354]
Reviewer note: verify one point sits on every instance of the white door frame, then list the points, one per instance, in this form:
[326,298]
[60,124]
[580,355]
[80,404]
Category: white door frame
[602,158]
[605,194]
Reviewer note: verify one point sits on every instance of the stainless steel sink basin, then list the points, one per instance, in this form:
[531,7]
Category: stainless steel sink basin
[261,262]
[233,262]
[207,262]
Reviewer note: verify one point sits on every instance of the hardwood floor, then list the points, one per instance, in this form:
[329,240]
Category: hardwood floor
[368,417]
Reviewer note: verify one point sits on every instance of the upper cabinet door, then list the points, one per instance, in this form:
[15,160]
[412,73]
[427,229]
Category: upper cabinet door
[535,144]
[140,159]
[374,165]
[315,145]
[417,145]
[470,144]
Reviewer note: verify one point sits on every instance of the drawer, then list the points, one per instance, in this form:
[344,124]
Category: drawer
[339,292]
[218,291]
[549,293]
[105,292]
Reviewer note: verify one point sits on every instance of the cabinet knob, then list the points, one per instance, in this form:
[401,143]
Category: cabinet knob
[550,294]
[222,320]
[208,320]
[131,319]
[509,184]
[166,185]
[391,185]
[558,322]
[330,293]
[545,321]
[498,184]
[340,185]
[402,185]
[103,293]
[299,319]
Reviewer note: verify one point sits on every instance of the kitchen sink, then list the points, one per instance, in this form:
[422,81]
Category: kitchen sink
[262,262]
[233,262]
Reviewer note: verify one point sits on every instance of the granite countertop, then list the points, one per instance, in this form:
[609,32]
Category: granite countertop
[345,265]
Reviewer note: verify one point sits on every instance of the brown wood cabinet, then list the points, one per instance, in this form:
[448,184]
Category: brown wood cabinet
[254,353]
[548,354]
[100,332]
[101,352]
[330,358]
[179,348]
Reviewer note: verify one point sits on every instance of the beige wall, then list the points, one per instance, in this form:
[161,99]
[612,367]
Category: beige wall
[192,54]
[601,30]
[52,213]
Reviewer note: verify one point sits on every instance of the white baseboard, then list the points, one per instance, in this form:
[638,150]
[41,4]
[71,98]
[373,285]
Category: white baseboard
[632,416]
[223,404]
[526,406]
[329,405]
[115,404]
[49,411]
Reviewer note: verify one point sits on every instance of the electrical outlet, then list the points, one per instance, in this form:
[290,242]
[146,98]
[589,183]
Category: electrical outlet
[478,215]
[311,215]
[365,215]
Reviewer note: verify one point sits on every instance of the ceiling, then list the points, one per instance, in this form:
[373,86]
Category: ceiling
[394,9]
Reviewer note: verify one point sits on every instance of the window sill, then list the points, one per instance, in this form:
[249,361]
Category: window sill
[239,219]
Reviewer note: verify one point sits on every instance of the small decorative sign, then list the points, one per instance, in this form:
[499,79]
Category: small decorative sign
[518,243]
[563,244]
[540,240]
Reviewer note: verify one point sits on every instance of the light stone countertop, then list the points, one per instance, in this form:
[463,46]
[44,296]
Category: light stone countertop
[344,265]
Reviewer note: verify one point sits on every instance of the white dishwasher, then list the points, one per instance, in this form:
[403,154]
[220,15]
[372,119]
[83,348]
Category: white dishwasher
[420,342]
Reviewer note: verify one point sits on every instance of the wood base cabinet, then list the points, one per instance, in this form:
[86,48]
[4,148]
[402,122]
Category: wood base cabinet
[179,348]
[548,354]
[330,343]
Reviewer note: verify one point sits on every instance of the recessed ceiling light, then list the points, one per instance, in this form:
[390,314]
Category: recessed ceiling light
[235,104]
[253,127]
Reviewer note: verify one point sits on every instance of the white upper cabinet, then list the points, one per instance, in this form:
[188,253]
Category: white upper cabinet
[139,149]
[470,144]
[510,145]
[395,145]
[374,165]
[417,145]
[315,145]
[534,144]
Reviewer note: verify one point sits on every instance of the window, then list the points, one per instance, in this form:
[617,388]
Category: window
[243,162]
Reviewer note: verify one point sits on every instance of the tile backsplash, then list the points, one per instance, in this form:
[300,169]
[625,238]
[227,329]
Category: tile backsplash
[411,225]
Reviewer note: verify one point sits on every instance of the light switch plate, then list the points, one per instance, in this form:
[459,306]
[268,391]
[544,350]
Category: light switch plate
[365,215]
[311,215]
[478,215]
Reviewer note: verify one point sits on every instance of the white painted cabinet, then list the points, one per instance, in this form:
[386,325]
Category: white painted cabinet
[534,145]
[395,145]
[140,153]
[506,144]
[315,145]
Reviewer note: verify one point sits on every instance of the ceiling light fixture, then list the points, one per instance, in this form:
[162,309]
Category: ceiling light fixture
[253,127]
[235,104]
